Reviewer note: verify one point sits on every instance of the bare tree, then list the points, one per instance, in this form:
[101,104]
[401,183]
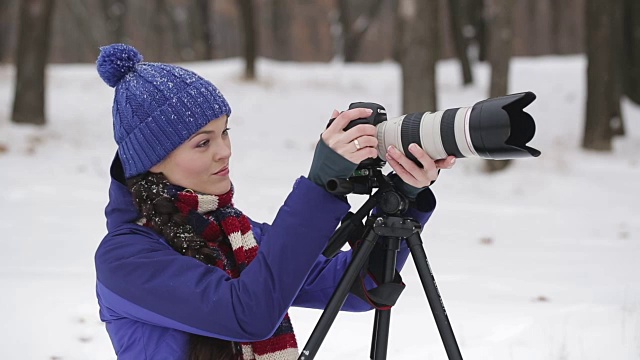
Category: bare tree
[191,29]
[161,33]
[201,29]
[631,49]
[603,115]
[355,19]
[478,21]
[417,54]
[617,125]
[247,10]
[31,59]
[80,16]
[114,13]
[457,21]
[500,46]
[8,10]
[281,12]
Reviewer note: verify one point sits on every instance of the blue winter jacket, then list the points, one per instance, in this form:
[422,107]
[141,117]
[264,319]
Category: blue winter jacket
[151,297]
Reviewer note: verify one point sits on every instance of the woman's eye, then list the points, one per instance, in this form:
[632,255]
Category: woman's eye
[226,131]
[203,143]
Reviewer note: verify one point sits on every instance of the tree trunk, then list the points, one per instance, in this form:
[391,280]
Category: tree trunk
[617,41]
[344,19]
[501,40]
[631,50]
[602,108]
[355,25]
[114,13]
[281,28]
[457,22]
[418,55]
[247,10]
[200,30]
[31,59]
[7,30]
[160,34]
[478,20]
[179,15]
[84,26]
[557,13]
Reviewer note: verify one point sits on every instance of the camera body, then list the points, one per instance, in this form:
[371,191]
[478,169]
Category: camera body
[378,116]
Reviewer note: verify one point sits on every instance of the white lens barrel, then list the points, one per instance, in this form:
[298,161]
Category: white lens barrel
[463,139]
[389,134]
[427,130]
[430,135]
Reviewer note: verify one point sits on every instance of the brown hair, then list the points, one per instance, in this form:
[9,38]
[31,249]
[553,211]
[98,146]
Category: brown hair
[157,207]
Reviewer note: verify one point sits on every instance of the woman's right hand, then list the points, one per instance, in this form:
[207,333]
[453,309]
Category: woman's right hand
[356,144]
[339,152]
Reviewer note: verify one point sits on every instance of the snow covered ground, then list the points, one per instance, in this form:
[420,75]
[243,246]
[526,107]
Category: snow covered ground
[537,262]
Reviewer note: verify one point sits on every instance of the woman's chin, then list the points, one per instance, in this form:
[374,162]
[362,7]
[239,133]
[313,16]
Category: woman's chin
[221,188]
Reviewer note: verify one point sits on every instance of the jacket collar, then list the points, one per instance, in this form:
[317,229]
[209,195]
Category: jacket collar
[120,210]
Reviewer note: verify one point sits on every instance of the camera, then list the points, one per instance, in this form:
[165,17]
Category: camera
[495,128]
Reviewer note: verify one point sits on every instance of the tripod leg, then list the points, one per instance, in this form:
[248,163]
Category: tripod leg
[338,298]
[433,296]
[380,338]
[374,337]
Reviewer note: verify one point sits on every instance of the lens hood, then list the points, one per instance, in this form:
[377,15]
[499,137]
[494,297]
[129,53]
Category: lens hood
[500,129]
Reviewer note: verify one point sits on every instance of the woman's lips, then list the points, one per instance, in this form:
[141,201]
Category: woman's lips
[223,172]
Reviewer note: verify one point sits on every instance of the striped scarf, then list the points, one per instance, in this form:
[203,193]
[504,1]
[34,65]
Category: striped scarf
[227,232]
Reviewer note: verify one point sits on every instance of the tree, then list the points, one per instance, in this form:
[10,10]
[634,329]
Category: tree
[247,11]
[114,13]
[281,14]
[7,14]
[617,125]
[631,50]
[160,31]
[478,21]
[418,41]
[456,19]
[603,115]
[500,47]
[197,24]
[31,59]
[86,34]
[355,19]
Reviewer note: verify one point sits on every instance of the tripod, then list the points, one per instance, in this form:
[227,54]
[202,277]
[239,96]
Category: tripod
[391,229]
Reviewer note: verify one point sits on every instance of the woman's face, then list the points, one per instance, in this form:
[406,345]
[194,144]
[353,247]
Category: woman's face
[202,162]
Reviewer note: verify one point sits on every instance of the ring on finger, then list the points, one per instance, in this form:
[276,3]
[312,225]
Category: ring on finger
[357,144]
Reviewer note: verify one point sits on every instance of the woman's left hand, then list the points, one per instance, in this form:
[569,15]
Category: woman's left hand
[411,173]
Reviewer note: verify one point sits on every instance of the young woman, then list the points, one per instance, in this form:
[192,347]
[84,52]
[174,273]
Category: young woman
[182,273]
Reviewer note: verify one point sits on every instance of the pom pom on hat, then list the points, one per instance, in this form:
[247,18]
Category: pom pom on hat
[116,61]
[156,107]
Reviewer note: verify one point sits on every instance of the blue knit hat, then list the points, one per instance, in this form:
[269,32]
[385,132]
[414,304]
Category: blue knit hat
[156,106]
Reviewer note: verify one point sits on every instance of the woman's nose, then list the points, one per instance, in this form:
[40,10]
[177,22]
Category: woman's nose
[222,151]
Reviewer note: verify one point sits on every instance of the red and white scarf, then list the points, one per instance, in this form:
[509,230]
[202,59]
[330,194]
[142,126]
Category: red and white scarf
[227,233]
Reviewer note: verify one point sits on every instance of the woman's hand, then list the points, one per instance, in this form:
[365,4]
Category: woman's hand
[411,173]
[356,144]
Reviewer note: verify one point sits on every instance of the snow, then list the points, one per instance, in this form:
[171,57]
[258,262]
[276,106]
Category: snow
[536,262]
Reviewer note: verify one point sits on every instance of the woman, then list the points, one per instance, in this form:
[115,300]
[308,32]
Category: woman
[182,274]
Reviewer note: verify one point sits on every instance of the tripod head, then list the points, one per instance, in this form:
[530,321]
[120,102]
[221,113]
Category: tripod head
[387,200]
